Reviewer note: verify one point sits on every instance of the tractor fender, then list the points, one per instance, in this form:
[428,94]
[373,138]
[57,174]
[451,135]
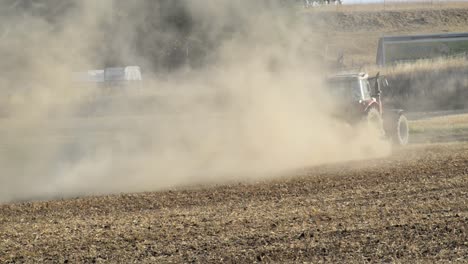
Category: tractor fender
[370,104]
[389,116]
[392,113]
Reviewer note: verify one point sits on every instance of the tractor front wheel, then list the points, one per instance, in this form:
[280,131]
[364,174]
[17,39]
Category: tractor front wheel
[375,122]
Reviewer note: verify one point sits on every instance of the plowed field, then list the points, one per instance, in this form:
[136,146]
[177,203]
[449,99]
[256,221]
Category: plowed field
[411,207]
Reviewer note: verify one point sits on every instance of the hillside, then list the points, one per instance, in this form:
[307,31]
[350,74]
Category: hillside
[356,32]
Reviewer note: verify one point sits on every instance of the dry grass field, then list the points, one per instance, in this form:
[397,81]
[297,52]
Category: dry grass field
[440,129]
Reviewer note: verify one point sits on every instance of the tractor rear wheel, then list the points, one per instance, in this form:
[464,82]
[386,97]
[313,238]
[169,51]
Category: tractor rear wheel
[400,130]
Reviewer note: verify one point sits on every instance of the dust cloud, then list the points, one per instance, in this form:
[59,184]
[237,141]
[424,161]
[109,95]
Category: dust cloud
[231,92]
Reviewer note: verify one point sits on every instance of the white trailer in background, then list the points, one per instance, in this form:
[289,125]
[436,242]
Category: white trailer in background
[110,77]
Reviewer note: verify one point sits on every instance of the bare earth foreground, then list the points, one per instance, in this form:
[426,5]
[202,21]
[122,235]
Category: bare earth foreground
[410,207]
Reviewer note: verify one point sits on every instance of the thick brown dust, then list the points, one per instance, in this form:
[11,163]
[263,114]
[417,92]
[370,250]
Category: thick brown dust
[250,108]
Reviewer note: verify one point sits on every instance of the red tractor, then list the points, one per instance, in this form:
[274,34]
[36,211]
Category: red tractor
[358,99]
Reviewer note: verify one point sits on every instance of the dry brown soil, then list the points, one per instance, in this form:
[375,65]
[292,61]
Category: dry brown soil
[410,207]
